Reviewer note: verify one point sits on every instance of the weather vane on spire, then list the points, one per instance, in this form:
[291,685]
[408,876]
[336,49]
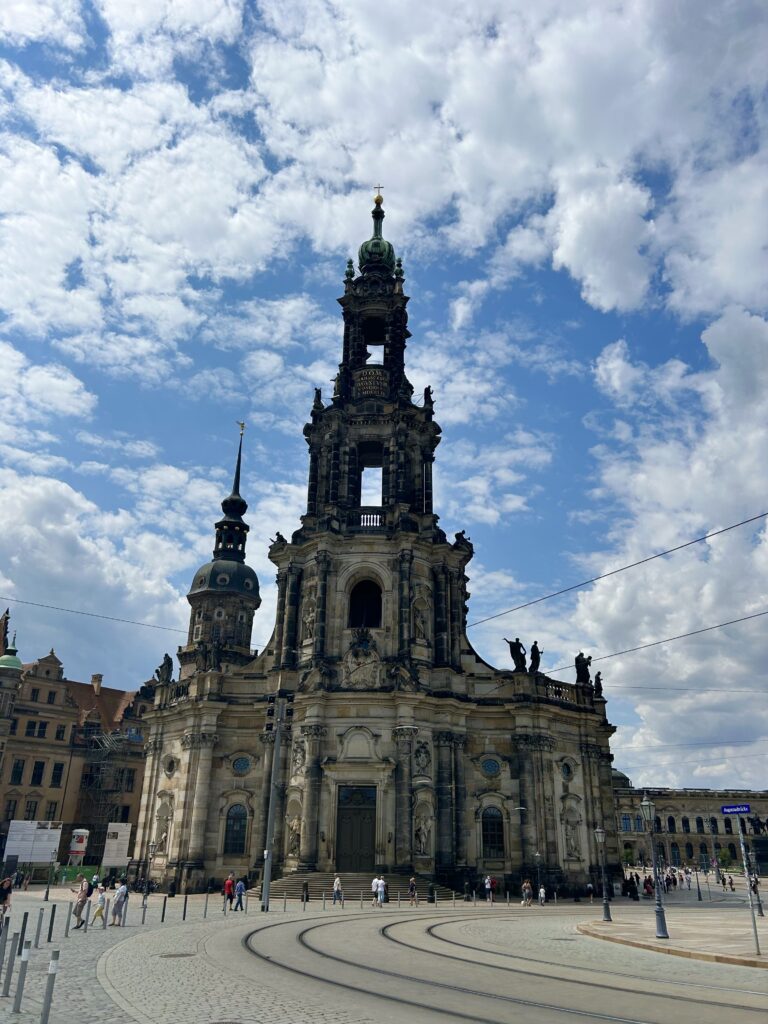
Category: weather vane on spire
[241,424]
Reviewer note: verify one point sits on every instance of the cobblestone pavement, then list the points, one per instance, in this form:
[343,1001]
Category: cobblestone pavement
[470,963]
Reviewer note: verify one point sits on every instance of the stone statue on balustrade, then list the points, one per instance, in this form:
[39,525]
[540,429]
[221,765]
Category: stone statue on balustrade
[518,653]
[536,654]
[582,664]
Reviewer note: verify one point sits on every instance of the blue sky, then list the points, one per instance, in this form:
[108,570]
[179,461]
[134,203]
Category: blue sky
[578,193]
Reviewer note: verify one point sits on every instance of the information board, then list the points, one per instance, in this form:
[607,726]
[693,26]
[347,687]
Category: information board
[33,842]
[117,843]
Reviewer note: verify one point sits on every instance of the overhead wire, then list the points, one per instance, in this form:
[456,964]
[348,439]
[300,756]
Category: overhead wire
[614,572]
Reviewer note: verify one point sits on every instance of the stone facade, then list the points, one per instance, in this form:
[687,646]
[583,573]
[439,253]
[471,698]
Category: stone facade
[407,750]
[690,828]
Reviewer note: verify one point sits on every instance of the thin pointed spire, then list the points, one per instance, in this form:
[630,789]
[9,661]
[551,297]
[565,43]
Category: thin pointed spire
[236,482]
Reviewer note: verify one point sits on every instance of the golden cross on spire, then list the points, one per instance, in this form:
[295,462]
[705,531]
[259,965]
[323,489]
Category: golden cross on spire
[378,189]
[241,424]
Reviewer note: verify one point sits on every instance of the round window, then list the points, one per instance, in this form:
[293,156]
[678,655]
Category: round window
[248,584]
[566,771]
[170,766]
[241,765]
[491,766]
[222,579]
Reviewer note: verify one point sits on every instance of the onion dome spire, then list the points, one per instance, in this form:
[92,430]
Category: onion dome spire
[231,531]
[377,254]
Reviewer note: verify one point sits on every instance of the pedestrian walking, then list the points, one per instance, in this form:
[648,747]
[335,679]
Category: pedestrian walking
[6,890]
[731,886]
[542,895]
[381,891]
[413,893]
[101,902]
[591,892]
[527,890]
[81,898]
[229,891]
[488,889]
[338,893]
[121,896]
[239,895]
[375,891]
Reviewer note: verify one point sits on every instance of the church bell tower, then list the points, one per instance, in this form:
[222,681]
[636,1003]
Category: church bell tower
[369,589]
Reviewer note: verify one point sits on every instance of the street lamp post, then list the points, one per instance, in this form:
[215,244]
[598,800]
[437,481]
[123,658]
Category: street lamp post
[648,809]
[51,868]
[600,837]
[151,847]
[715,863]
[698,887]
[537,858]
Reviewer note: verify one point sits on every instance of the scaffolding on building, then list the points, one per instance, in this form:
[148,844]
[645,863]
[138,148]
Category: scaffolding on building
[102,784]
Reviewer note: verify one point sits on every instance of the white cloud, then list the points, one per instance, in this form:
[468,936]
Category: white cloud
[50,21]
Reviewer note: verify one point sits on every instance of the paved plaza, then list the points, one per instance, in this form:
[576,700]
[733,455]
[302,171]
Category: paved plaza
[464,962]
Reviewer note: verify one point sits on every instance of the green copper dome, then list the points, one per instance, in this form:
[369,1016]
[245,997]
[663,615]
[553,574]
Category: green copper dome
[10,659]
[377,253]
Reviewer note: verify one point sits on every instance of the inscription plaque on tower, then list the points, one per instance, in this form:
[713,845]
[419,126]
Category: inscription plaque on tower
[373,381]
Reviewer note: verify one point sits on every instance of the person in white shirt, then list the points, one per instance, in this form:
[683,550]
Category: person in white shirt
[119,902]
[542,895]
[382,890]
[375,891]
[337,891]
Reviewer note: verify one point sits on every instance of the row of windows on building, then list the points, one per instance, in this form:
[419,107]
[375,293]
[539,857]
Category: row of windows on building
[35,728]
[34,696]
[122,778]
[236,827]
[30,810]
[676,858]
[685,823]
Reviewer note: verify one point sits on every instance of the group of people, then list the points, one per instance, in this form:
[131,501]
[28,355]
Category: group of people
[84,894]
[234,892]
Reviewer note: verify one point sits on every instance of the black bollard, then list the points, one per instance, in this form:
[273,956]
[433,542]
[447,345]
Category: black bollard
[184,912]
[23,930]
[50,923]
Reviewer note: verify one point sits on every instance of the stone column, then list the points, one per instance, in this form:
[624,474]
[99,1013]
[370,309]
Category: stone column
[152,749]
[313,736]
[203,742]
[291,610]
[460,797]
[428,461]
[260,822]
[404,736]
[444,792]
[455,618]
[312,483]
[404,603]
[441,615]
[282,578]
[323,568]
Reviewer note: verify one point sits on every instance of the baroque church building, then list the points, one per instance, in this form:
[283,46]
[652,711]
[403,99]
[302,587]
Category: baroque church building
[407,751]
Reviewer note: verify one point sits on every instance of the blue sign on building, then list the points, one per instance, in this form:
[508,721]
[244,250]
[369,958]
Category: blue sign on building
[735,809]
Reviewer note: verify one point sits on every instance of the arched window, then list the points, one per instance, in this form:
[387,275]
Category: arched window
[671,825]
[728,827]
[732,850]
[234,833]
[661,853]
[365,605]
[689,851]
[657,824]
[686,825]
[493,833]
[626,823]
[699,825]
[639,827]
[713,826]
[703,855]
[674,852]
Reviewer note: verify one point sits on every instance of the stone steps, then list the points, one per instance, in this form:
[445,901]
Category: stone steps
[320,882]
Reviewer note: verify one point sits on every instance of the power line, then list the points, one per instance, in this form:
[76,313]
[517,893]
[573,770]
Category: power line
[717,760]
[669,639]
[613,572]
[92,615]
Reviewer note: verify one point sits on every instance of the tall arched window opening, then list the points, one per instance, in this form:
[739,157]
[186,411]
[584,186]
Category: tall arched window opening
[234,833]
[365,605]
[493,833]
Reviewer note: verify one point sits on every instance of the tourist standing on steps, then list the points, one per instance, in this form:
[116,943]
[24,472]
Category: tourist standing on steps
[338,893]
[381,891]
[80,900]
[240,893]
[375,891]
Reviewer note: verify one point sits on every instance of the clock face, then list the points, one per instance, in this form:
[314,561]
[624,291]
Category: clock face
[491,766]
[566,771]
[241,765]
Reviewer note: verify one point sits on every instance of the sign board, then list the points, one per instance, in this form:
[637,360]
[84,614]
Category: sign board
[735,809]
[33,842]
[116,844]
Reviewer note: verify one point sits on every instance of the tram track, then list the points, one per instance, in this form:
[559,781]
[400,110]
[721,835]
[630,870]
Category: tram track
[424,991]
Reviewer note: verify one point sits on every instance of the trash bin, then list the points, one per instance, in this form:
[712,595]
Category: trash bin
[431,893]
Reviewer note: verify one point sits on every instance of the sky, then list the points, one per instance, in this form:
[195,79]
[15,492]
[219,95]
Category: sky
[578,191]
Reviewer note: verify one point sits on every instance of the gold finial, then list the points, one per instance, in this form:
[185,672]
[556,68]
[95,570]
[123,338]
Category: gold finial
[378,198]
[241,424]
